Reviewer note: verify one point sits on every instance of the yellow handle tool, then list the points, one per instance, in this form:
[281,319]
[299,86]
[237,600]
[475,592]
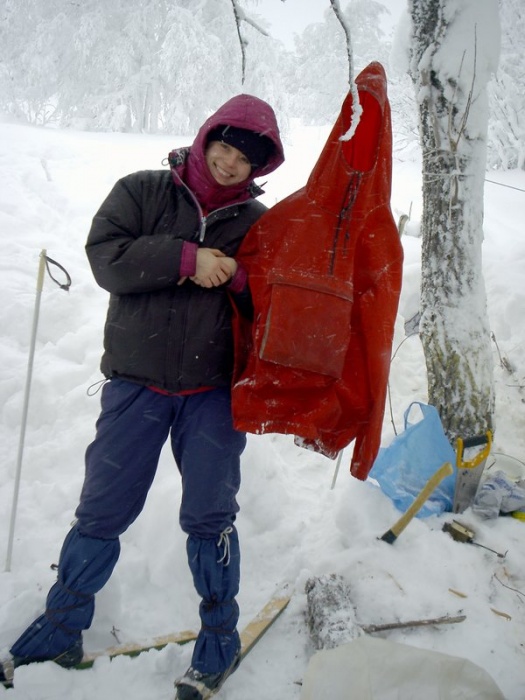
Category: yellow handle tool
[475,441]
[391,535]
[469,471]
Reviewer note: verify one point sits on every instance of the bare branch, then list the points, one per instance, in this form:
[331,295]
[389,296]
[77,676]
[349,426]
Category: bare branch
[239,16]
[471,91]
[256,26]
[338,13]
[357,110]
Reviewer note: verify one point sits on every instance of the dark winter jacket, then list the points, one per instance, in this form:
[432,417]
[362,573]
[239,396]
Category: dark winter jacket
[158,333]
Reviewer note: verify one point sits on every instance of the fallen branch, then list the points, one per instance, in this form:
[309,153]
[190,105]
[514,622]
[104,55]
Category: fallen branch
[509,587]
[444,620]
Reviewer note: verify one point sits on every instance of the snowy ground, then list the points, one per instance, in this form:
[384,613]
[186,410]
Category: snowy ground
[293,524]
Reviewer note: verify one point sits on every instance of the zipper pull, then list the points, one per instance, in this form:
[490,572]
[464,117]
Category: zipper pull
[202,230]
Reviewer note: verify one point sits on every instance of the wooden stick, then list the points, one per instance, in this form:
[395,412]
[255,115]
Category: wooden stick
[445,620]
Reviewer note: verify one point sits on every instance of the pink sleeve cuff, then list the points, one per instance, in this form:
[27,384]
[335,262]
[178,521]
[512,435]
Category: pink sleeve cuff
[188,260]
[239,280]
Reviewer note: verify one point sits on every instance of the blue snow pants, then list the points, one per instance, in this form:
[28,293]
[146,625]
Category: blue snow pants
[121,462]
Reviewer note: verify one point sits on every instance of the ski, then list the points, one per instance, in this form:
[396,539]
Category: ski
[134,649]
[250,635]
[262,622]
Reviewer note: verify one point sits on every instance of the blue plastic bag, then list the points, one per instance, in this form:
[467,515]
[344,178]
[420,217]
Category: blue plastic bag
[413,456]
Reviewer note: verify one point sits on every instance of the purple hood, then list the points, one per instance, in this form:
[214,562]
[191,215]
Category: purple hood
[246,112]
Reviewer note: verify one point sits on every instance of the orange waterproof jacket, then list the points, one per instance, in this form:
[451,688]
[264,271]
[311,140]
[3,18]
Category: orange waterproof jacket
[324,269]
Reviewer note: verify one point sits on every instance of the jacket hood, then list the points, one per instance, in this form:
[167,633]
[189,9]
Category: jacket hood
[366,156]
[243,111]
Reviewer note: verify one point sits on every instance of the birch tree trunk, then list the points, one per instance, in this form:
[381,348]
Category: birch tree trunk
[450,69]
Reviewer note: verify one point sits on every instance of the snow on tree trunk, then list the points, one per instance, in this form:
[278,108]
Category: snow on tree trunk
[455,45]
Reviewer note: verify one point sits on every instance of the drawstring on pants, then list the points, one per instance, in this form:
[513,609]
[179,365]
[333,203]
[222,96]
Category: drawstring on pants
[224,540]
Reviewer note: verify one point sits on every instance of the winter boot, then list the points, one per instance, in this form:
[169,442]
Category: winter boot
[195,685]
[69,658]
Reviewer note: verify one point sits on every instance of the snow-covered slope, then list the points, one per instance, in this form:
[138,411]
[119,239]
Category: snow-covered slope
[293,524]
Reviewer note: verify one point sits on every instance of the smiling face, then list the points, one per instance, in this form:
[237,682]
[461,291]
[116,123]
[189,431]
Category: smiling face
[227,164]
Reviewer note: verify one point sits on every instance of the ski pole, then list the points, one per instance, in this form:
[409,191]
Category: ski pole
[336,472]
[39,287]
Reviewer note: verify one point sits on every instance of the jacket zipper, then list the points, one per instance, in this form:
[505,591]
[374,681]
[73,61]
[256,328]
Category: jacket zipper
[202,229]
[203,218]
[202,232]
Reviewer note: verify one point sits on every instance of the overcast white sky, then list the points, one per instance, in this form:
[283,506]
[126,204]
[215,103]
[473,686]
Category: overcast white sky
[292,16]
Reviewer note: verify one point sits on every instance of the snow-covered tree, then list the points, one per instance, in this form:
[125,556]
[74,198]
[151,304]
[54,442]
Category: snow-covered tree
[34,48]
[507,92]
[138,65]
[113,81]
[201,64]
[454,49]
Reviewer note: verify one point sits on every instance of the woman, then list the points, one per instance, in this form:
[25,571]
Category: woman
[163,245]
